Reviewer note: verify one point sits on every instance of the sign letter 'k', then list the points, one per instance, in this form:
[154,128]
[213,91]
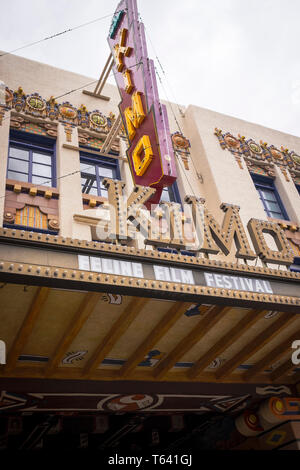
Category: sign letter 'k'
[122,50]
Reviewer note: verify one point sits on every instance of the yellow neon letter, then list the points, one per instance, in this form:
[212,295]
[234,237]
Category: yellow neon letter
[141,164]
[134,114]
[121,50]
[128,81]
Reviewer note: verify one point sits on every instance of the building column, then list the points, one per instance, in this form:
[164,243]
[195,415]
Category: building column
[4,141]
[69,185]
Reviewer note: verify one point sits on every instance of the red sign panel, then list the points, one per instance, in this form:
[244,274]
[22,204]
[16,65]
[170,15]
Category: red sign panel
[150,152]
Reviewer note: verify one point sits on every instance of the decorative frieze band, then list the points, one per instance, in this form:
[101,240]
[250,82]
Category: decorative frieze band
[261,158]
[65,112]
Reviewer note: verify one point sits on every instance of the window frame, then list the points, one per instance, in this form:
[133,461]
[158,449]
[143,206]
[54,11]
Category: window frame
[107,162]
[263,182]
[33,143]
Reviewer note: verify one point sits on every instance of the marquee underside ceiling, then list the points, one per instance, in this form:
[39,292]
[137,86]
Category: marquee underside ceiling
[62,334]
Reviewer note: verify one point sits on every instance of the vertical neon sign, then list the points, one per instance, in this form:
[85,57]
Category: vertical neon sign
[150,152]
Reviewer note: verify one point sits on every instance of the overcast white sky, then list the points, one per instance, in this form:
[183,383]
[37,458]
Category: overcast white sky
[237,57]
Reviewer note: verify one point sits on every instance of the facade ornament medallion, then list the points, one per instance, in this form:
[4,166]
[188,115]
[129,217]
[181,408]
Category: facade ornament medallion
[181,146]
[97,120]
[35,105]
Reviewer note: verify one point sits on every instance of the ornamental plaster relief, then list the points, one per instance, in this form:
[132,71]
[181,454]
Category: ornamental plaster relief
[261,158]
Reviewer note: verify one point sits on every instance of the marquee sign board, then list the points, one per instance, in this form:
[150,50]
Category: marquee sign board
[66,263]
[150,152]
[200,277]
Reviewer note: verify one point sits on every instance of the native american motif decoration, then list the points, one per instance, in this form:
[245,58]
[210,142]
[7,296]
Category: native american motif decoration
[83,116]
[97,120]
[271,314]
[74,356]
[35,105]
[9,96]
[115,299]
[130,402]
[52,108]
[19,98]
[152,358]
[67,113]
[216,363]
[31,215]
[261,158]
[25,125]
[181,147]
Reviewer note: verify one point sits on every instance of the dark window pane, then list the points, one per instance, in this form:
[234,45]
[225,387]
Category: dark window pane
[90,190]
[41,181]
[18,165]
[88,179]
[41,170]
[87,168]
[19,153]
[268,195]
[276,215]
[89,183]
[17,176]
[41,158]
[106,172]
[273,206]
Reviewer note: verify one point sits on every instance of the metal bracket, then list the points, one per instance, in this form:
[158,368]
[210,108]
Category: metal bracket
[102,80]
[114,131]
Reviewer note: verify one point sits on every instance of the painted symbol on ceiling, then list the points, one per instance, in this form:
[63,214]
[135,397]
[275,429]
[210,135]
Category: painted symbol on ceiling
[152,358]
[73,356]
[193,310]
[271,314]
[271,390]
[230,402]
[216,363]
[130,402]
[276,438]
[274,366]
[113,299]
[11,400]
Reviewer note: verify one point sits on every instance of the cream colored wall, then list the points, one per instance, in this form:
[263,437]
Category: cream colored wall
[224,181]
[213,172]
[70,199]
[188,182]
[49,81]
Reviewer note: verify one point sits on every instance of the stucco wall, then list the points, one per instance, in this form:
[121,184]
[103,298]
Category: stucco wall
[213,172]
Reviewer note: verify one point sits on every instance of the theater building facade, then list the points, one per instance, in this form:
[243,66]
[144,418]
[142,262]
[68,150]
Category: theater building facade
[171,326]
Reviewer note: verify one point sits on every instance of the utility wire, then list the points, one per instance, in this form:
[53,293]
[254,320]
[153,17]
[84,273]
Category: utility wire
[83,86]
[57,34]
[72,173]
[95,81]
[162,69]
[179,128]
